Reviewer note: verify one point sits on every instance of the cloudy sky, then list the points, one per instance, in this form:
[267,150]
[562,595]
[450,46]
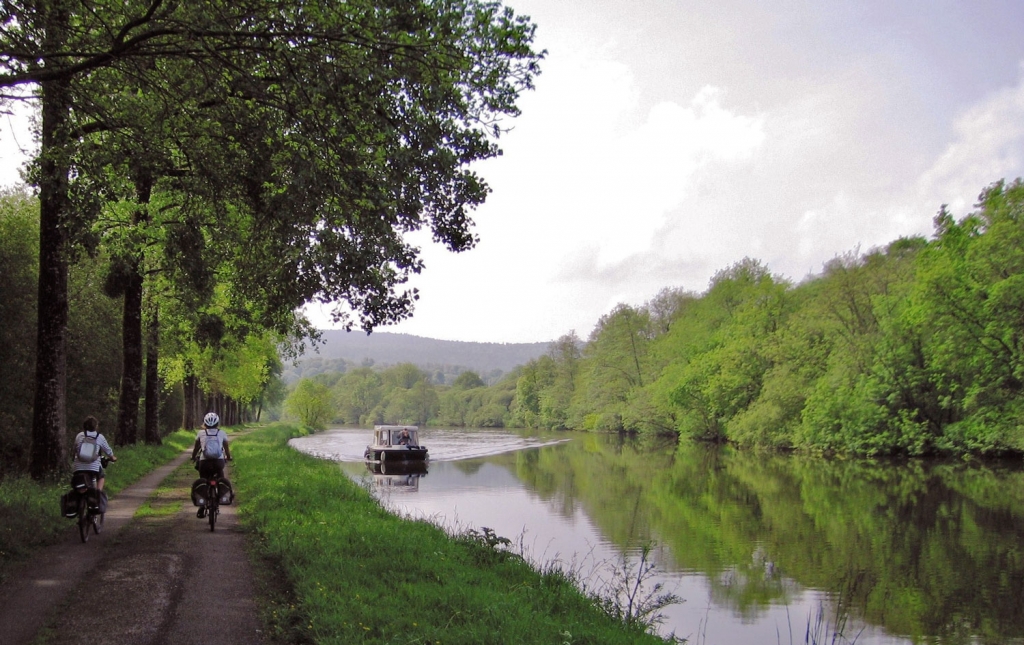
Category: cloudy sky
[669,139]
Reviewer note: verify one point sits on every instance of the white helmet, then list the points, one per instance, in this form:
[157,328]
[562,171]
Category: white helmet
[211,420]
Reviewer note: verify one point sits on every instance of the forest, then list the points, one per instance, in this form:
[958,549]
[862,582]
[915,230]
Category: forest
[911,349]
[203,171]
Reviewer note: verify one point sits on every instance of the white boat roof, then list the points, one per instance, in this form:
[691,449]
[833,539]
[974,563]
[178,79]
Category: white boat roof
[396,427]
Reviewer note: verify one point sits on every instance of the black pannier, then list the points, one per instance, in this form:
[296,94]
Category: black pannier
[69,504]
[200,492]
[227,495]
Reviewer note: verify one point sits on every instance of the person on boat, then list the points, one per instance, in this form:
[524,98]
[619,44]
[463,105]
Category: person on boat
[87,458]
[403,439]
[212,449]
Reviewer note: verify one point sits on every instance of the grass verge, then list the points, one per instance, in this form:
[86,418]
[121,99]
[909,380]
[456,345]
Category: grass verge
[170,496]
[29,511]
[344,570]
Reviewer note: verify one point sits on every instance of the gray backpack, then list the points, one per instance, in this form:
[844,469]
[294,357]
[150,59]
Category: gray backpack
[89,449]
[213,449]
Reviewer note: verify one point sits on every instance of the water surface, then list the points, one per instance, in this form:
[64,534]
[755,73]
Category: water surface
[759,547]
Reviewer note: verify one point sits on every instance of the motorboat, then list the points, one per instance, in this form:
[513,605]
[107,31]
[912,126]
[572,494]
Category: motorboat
[395,444]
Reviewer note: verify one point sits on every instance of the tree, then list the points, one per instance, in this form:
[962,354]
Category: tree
[531,383]
[19,233]
[379,110]
[310,403]
[616,364]
[467,381]
[971,293]
[357,393]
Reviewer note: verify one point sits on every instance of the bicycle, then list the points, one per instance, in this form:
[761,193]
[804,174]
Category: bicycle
[209,493]
[89,502]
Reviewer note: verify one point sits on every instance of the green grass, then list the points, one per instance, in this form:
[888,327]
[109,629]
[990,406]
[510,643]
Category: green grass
[353,573]
[29,511]
[170,496]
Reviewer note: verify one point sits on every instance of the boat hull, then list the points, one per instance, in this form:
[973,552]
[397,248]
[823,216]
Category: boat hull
[403,453]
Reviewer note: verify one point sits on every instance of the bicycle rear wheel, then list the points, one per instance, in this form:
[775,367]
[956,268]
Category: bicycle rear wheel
[83,518]
[213,506]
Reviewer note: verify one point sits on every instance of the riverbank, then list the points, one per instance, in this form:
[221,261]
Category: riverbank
[334,567]
[338,568]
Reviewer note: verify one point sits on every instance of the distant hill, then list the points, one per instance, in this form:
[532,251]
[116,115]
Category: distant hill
[341,348]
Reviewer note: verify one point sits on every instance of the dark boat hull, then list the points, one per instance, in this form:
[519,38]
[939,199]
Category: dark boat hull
[405,453]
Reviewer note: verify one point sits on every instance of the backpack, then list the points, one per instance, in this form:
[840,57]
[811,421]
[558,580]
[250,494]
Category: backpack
[213,449]
[88,450]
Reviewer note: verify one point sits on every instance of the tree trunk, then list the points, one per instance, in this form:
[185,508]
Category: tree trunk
[131,365]
[190,409]
[49,414]
[131,331]
[153,380]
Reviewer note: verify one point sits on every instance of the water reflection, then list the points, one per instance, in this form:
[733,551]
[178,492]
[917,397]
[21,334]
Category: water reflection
[396,477]
[763,547]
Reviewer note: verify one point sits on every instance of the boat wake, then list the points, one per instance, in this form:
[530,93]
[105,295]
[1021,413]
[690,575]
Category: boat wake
[445,445]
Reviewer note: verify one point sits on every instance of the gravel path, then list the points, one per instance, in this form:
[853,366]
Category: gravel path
[162,578]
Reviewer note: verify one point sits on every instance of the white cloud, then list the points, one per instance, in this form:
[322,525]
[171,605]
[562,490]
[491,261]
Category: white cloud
[988,146]
[586,184]
[599,172]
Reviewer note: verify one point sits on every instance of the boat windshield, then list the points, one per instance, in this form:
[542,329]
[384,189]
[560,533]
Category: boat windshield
[403,437]
[396,436]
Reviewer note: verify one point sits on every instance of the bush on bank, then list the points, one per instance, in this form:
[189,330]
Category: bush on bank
[358,574]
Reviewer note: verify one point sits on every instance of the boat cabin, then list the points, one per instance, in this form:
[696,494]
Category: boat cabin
[387,436]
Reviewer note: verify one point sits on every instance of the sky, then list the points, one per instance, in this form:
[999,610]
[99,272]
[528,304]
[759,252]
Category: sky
[669,139]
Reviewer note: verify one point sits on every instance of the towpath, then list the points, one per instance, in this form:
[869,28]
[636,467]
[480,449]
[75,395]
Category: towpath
[162,578]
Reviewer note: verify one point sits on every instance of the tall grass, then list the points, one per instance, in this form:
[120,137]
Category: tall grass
[354,573]
[30,511]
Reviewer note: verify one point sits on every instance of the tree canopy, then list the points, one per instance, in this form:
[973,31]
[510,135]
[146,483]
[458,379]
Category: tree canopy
[296,143]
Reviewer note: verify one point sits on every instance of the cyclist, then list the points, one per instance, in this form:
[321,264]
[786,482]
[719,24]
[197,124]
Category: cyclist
[88,445]
[211,449]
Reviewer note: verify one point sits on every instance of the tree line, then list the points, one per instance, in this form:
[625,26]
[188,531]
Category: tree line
[916,348]
[398,394]
[220,164]
[911,349]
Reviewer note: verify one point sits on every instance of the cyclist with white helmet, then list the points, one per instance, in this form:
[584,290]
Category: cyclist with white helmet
[212,450]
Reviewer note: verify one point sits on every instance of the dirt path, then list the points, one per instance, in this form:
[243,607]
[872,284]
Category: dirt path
[161,578]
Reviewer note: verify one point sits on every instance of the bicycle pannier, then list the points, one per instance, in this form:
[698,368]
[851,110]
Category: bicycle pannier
[69,504]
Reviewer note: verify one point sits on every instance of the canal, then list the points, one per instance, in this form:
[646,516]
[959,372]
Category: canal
[759,548]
